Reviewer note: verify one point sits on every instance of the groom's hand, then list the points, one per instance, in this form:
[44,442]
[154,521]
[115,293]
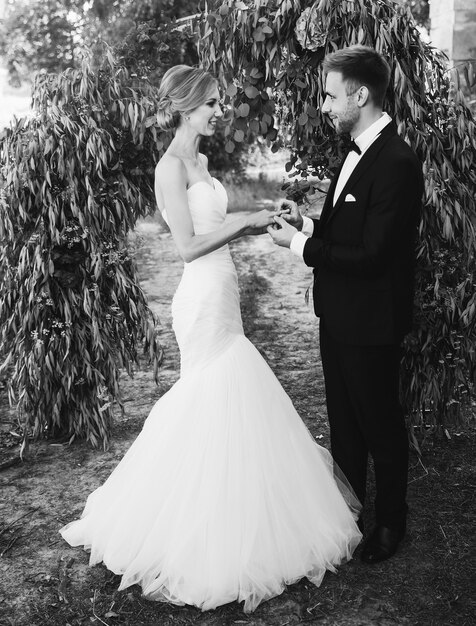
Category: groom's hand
[281,232]
[291,213]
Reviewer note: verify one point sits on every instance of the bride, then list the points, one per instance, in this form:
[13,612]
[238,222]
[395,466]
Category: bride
[224,495]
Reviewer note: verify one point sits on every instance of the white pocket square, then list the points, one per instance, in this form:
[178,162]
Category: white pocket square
[349,198]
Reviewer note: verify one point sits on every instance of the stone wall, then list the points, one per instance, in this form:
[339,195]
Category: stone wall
[453,28]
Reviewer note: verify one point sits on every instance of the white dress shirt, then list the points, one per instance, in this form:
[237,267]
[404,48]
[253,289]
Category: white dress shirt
[364,141]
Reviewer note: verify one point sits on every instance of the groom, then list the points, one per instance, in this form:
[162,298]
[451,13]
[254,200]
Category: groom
[362,250]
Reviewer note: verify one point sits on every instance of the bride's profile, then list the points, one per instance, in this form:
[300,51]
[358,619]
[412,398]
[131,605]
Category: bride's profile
[224,495]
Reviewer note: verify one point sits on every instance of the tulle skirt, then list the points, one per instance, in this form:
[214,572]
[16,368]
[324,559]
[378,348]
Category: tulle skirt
[223,496]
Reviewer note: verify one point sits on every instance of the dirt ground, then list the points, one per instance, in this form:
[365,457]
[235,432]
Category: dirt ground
[45,582]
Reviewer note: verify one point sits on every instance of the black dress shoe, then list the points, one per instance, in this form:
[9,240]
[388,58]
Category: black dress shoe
[382,544]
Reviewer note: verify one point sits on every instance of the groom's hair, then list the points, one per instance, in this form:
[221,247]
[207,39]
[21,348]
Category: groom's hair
[360,66]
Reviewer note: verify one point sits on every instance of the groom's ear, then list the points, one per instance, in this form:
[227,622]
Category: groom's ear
[363,96]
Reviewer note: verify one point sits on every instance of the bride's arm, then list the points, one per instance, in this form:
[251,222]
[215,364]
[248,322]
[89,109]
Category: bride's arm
[171,179]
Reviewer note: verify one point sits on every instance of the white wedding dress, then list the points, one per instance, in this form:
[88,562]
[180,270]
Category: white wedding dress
[224,495]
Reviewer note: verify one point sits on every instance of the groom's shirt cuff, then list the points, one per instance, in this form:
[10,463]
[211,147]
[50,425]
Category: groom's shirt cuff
[300,238]
[297,244]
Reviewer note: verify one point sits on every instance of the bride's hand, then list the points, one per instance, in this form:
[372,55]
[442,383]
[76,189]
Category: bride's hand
[257,223]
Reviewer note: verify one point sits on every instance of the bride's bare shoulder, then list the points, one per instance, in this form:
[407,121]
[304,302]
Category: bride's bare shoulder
[170,167]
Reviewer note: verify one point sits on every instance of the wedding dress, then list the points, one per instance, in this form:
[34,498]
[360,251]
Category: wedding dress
[224,495]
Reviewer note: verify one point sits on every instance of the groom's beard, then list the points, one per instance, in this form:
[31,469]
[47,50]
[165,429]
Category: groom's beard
[345,122]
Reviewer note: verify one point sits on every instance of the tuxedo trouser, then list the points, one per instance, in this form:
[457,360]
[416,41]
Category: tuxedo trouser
[366,417]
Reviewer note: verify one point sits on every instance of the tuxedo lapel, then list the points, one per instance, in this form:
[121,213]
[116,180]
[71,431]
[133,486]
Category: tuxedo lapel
[362,166]
[327,208]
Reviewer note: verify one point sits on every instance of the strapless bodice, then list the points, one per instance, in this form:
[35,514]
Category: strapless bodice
[207,205]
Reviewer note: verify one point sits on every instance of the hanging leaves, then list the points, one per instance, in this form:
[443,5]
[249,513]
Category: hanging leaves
[75,179]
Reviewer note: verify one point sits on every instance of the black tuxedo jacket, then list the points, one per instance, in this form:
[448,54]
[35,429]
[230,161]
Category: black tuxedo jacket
[363,247]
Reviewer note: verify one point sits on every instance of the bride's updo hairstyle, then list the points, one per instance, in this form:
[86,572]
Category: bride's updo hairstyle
[182,89]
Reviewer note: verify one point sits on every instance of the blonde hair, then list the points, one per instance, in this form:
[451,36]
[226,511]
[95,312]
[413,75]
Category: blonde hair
[182,89]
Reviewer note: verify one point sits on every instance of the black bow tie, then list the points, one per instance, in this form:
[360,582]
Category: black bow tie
[354,147]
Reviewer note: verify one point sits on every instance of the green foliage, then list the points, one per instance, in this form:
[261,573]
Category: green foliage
[145,35]
[39,35]
[49,34]
[75,179]
[149,50]
[268,57]
[420,11]
[159,11]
